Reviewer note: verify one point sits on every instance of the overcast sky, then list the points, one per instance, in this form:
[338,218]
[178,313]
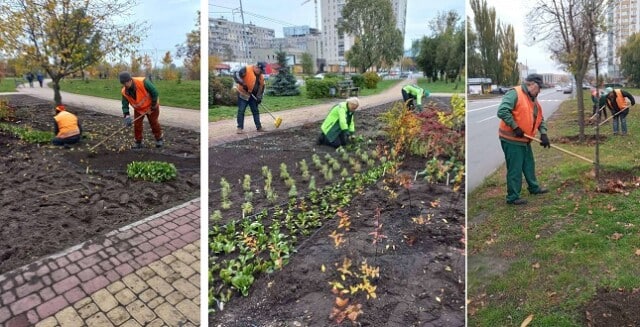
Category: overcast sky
[292,12]
[169,22]
[513,12]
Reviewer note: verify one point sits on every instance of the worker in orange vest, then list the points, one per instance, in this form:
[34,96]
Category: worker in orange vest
[250,87]
[616,100]
[520,113]
[67,128]
[143,96]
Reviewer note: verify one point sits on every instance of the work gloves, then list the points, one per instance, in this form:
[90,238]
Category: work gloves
[419,108]
[127,120]
[518,132]
[544,141]
[259,100]
[245,87]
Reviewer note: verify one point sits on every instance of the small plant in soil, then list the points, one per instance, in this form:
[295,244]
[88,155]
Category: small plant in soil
[247,209]
[304,169]
[289,182]
[225,190]
[284,173]
[315,158]
[152,171]
[293,191]
[216,216]
[312,183]
[377,234]
[344,173]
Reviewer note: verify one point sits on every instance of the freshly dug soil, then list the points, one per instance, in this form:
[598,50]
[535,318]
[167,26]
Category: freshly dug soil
[421,265]
[52,198]
[613,308]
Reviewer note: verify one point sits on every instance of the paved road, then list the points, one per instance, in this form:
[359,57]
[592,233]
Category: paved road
[171,116]
[484,154]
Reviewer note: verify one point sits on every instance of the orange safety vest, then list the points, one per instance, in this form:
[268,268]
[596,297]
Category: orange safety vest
[620,100]
[523,116]
[250,80]
[67,124]
[142,102]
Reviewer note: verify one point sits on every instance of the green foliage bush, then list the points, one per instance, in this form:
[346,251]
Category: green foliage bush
[152,171]
[27,134]
[358,80]
[221,91]
[319,88]
[371,80]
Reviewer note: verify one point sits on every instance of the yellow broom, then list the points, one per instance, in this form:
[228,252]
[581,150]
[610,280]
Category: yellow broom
[277,120]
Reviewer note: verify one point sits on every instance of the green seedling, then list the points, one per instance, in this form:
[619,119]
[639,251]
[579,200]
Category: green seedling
[246,183]
[225,190]
[284,174]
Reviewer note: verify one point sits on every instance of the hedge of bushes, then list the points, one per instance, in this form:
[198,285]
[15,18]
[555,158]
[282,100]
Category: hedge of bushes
[221,91]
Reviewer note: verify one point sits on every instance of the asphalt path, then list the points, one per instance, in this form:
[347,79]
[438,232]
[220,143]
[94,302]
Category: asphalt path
[484,154]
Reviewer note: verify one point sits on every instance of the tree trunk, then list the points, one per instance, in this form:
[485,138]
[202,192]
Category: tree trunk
[579,98]
[57,98]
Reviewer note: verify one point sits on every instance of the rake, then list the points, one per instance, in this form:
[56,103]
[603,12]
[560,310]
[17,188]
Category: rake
[114,133]
[277,120]
[563,150]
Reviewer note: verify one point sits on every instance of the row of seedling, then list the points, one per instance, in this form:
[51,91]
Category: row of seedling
[239,255]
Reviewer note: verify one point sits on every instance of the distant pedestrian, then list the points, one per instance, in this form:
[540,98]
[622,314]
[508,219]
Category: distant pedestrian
[66,127]
[339,124]
[616,101]
[250,89]
[40,78]
[143,96]
[30,78]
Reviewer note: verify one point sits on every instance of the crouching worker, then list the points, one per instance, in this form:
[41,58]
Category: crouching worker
[67,128]
[339,124]
[414,92]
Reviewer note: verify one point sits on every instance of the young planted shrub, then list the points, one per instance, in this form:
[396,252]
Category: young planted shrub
[225,190]
[152,171]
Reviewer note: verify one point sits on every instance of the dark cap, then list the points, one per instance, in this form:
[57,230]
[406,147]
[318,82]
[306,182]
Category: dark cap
[536,78]
[262,65]
[124,77]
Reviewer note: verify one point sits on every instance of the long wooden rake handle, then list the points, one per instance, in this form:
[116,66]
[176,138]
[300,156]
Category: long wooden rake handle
[597,112]
[617,113]
[114,133]
[563,150]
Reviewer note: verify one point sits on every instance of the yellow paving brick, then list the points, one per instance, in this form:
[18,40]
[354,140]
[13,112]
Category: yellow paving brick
[148,295]
[104,300]
[197,300]
[156,302]
[162,269]
[118,315]
[174,297]
[189,310]
[141,312]
[184,256]
[125,296]
[191,248]
[159,285]
[183,269]
[145,273]
[131,323]
[157,323]
[69,317]
[135,283]
[99,320]
[169,259]
[49,322]
[195,280]
[186,288]
[170,315]
[82,302]
[116,287]
[88,310]
[195,265]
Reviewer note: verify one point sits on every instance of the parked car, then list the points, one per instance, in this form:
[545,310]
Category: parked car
[567,89]
[500,90]
[319,76]
[558,88]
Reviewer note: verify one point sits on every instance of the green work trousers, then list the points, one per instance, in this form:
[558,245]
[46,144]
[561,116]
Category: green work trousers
[519,159]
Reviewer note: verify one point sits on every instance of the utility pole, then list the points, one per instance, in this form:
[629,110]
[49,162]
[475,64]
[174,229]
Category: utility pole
[244,35]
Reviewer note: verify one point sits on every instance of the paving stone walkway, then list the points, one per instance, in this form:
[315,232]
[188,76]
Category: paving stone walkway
[144,274]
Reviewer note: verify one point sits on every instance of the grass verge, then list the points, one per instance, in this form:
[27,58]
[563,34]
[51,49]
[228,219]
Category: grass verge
[443,86]
[284,103]
[8,84]
[548,258]
[183,95]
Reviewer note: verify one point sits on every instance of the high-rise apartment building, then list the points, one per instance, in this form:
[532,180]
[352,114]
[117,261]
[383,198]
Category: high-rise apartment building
[227,39]
[623,21]
[335,45]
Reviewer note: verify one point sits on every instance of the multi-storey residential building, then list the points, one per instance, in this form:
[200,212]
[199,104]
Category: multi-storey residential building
[336,45]
[623,20]
[226,39]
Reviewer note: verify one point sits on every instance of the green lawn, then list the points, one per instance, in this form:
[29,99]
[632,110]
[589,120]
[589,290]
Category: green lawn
[548,258]
[183,95]
[8,85]
[284,103]
[443,86]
